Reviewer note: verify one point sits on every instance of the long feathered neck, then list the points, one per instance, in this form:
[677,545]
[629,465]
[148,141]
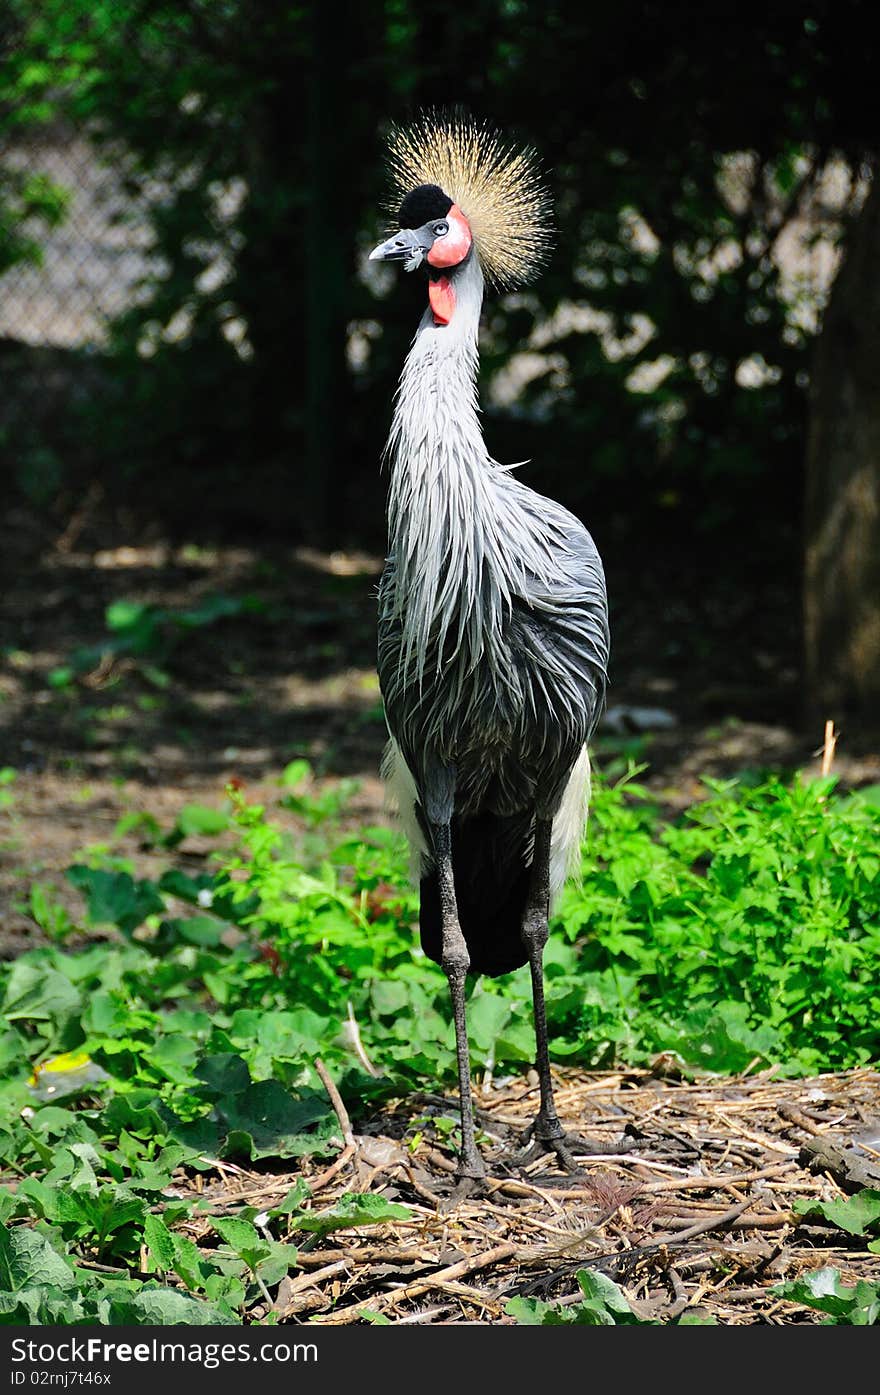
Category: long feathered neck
[436,426]
[454,566]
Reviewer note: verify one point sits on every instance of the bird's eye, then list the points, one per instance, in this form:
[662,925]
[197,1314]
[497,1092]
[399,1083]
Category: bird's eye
[441,228]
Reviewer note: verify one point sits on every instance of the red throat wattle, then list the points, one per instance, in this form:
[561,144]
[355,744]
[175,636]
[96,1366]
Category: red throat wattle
[442,298]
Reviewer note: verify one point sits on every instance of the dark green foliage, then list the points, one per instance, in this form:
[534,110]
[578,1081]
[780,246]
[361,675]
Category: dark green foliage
[30,202]
[27,201]
[148,635]
[228,367]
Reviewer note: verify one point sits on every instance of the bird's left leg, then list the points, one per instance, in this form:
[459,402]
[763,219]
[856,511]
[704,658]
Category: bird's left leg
[546,1133]
[546,1130]
[456,962]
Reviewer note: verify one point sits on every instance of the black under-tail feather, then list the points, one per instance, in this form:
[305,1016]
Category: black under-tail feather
[491,863]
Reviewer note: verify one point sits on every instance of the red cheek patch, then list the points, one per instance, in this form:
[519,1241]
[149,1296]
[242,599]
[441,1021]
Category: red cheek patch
[442,298]
[452,248]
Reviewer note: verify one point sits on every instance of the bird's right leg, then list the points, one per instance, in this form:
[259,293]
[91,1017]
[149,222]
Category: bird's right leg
[456,962]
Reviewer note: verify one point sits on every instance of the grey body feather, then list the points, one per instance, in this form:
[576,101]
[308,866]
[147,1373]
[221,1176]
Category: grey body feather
[493,622]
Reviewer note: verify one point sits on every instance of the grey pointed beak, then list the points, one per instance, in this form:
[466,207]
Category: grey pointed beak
[405,246]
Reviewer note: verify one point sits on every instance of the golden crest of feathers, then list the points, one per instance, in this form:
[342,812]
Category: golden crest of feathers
[498,188]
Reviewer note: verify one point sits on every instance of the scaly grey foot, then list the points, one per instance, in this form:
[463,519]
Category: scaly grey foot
[548,1136]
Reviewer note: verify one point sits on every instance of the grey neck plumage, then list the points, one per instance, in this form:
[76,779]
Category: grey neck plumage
[435,433]
[458,556]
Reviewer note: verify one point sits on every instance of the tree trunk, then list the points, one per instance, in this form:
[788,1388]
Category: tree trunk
[842,510]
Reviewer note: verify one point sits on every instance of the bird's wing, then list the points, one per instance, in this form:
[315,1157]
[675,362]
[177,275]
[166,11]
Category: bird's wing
[562,607]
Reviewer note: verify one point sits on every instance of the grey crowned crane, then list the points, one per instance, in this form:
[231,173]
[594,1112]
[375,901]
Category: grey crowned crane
[493,619]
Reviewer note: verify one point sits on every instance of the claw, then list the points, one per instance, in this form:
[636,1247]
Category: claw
[544,1139]
[466,1189]
[562,1144]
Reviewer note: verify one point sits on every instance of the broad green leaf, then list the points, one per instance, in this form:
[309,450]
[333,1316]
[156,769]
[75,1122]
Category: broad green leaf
[390,996]
[175,1056]
[293,1200]
[264,1121]
[27,1259]
[197,820]
[603,1305]
[857,1305]
[100,1215]
[227,1289]
[137,1113]
[352,1209]
[224,1074]
[46,1305]
[115,898]
[857,1215]
[159,1241]
[194,930]
[168,1307]
[534,1312]
[294,774]
[12,1051]
[279,1261]
[37,993]
[189,1262]
[239,1235]
[487,1014]
[282,1035]
[599,1289]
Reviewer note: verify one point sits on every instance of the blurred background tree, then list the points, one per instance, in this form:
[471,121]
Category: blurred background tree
[706,165]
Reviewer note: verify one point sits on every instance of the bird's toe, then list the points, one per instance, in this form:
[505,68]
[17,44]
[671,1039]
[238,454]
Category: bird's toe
[568,1148]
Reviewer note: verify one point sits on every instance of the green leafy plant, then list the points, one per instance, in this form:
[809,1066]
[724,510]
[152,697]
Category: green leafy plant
[851,1305]
[8,777]
[49,913]
[603,1305]
[748,929]
[744,930]
[316,807]
[266,1259]
[351,1210]
[148,635]
[857,1215]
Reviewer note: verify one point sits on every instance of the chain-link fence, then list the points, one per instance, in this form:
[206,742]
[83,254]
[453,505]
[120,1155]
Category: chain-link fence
[91,265]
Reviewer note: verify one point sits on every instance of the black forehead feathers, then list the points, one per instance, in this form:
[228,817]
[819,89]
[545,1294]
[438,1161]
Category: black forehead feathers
[422,205]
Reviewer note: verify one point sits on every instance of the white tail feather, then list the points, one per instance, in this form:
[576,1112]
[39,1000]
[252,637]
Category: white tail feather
[569,825]
[401,797]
